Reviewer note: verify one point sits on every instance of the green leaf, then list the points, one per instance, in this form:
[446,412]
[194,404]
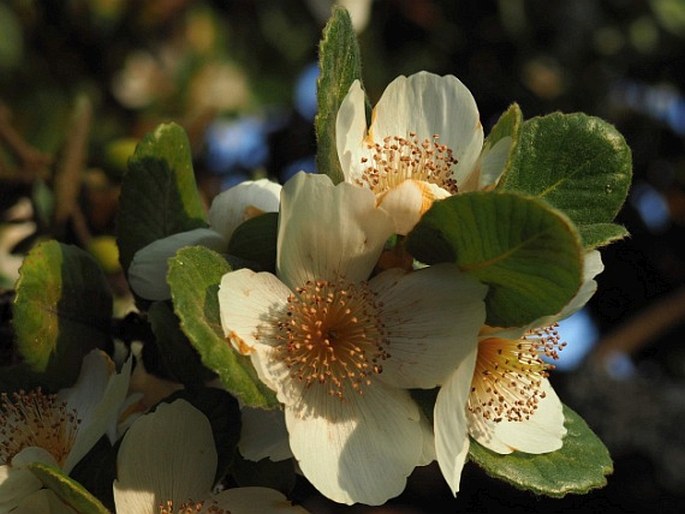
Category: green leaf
[179,358]
[600,234]
[194,276]
[578,163]
[254,241]
[70,491]
[340,65]
[528,253]
[61,311]
[159,196]
[507,131]
[579,466]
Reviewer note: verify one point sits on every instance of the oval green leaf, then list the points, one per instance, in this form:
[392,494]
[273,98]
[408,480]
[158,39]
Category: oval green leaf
[61,311]
[339,65]
[70,491]
[528,253]
[194,276]
[254,242]
[579,164]
[579,466]
[159,196]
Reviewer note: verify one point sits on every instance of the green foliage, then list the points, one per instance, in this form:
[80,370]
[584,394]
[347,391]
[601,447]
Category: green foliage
[528,253]
[577,163]
[254,242]
[70,491]
[178,357]
[194,276]
[340,65]
[62,310]
[159,196]
[579,466]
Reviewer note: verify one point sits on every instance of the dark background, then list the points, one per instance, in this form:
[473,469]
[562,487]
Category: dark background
[238,75]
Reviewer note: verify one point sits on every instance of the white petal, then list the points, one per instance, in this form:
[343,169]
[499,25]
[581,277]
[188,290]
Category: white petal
[542,433]
[251,500]
[148,270]
[249,304]
[360,449]
[450,423]
[428,454]
[169,453]
[407,202]
[263,435]
[16,483]
[241,202]
[97,397]
[350,131]
[432,318]
[429,104]
[43,502]
[492,162]
[326,231]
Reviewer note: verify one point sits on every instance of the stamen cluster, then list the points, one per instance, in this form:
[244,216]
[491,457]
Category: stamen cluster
[190,507]
[332,334]
[36,419]
[399,159]
[507,382]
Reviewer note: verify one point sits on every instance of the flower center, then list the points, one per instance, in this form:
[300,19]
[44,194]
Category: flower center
[332,334]
[191,507]
[509,373]
[399,159]
[36,419]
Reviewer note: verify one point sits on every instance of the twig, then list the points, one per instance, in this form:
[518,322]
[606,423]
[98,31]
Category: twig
[32,160]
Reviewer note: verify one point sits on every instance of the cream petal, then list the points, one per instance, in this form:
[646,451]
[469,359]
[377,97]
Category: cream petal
[429,104]
[428,454]
[263,435]
[169,453]
[97,402]
[43,502]
[432,318]
[328,231]
[16,483]
[237,204]
[148,270]
[407,202]
[450,422]
[350,131]
[491,163]
[360,449]
[249,500]
[542,433]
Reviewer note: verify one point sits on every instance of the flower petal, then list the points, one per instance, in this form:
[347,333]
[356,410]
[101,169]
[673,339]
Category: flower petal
[97,397]
[242,202]
[328,231]
[432,318]
[43,501]
[148,270]
[166,455]
[263,435]
[542,433]
[16,483]
[429,104]
[450,423]
[407,202]
[350,131]
[248,500]
[360,449]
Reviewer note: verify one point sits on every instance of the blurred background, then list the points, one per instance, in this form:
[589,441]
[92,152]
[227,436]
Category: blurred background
[81,81]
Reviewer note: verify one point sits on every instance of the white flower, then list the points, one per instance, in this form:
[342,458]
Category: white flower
[148,270]
[58,429]
[167,462]
[500,394]
[423,144]
[339,349]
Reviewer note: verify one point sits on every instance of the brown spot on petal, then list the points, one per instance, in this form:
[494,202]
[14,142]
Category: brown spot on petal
[240,344]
